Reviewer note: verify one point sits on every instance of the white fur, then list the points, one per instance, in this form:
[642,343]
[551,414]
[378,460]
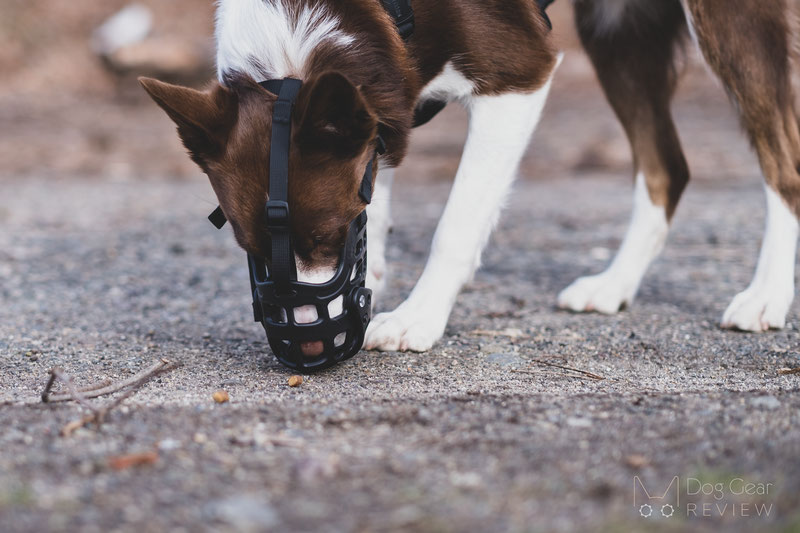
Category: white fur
[450,84]
[617,285]
[499,130]
[379,221]
[765,303]
[308,313]
[690,23]
[252,34]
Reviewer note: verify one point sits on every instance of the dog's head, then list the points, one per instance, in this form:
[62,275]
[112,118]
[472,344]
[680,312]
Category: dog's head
[227,131]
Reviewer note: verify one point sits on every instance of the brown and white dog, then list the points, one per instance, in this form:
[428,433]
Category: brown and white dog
[497,59]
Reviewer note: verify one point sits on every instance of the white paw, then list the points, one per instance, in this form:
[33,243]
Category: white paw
[404,331]
[755,309]
[601,293]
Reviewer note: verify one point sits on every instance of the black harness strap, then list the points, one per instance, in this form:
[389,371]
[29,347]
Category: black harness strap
[403,15]
[277,209]
[544,4]
[365,190]
[425,111]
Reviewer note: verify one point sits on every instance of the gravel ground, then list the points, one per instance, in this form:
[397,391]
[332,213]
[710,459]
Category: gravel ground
[102,278]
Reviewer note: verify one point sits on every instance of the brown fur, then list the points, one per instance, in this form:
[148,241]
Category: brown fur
[635,65]
[500,45]
[746,43]
[236,157]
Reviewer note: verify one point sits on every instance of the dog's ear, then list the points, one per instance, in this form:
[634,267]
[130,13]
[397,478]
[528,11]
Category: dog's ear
[334,117]
[204,118]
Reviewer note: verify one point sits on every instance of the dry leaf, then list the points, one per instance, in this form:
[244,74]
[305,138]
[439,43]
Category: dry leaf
[123,462]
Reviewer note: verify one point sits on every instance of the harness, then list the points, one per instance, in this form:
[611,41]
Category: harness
[275,290]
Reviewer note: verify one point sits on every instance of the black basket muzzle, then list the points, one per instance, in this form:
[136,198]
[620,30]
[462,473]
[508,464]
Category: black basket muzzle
[343,304]
[343,308]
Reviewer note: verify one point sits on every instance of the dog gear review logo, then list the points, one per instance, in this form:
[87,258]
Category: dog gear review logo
[656,502]
[736,498]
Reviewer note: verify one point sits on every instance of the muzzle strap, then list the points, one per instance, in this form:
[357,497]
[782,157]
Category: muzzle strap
[282,269]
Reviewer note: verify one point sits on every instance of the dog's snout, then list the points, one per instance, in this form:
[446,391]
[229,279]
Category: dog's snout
[306,314]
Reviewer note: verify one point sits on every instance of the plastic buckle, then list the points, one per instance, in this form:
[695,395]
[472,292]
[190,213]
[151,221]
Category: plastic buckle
[405,27]
[277,212]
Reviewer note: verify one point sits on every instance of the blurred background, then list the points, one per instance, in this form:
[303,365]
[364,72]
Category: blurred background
[70,105]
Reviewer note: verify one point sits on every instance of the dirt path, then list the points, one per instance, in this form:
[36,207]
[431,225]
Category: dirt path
[103,275]
[104,278]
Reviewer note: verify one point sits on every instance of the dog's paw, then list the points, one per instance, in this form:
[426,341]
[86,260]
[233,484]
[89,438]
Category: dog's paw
[755,309]
[404,331]
[601,293]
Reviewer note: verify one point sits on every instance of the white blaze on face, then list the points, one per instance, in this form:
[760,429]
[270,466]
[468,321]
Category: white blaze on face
[295,32]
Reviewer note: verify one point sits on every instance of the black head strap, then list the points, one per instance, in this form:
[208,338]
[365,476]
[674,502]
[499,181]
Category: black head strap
[277,209]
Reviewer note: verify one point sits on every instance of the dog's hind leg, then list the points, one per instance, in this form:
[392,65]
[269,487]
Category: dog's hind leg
[632,46]
[747,44]
[499,130]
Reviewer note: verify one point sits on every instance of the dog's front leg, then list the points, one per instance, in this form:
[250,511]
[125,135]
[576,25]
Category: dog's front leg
[378,223]
[499,130]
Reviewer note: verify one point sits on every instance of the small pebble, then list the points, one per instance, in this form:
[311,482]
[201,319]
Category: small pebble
[221,396]
[636,461]
[295,381]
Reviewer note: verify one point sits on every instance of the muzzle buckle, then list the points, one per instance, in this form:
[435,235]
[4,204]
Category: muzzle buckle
[277,213]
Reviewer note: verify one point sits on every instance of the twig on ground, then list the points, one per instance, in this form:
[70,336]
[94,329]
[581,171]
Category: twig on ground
[46,392]
[74,393]
[787,371]
[562,367]
[98,414]
[95,386]
[95,391]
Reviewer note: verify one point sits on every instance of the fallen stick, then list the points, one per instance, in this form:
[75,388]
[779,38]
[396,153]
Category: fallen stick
[562,367]
[95,391]
[95,386]
[98,414]
[787,371]
[74,393]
